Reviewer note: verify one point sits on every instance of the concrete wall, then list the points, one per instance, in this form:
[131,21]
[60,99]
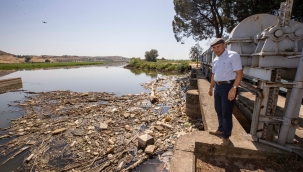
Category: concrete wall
[11,82]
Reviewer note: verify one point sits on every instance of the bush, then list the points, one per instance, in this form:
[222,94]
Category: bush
[183,67]
[135,62]
[170,68]
[152,66]
[162,66]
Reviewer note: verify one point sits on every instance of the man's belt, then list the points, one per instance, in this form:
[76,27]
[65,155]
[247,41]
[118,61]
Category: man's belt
[224,82]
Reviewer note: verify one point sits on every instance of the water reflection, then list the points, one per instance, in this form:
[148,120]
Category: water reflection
[151,73]
[84,79]
[115,79]
[7,109]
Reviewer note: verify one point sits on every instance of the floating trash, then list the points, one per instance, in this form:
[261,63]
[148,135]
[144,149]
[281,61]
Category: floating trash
[95,131]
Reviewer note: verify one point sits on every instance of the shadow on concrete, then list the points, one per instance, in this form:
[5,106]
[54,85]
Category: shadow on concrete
[210,157]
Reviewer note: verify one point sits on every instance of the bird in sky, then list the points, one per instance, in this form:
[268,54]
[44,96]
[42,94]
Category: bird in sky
[44,22]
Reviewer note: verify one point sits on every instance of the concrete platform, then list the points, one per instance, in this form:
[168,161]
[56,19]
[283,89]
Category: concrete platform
[198,143]
[11,83]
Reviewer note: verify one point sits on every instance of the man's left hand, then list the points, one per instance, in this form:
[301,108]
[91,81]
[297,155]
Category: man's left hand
[232,94]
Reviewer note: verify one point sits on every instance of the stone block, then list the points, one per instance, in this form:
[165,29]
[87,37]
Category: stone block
[145,140]
[150,149]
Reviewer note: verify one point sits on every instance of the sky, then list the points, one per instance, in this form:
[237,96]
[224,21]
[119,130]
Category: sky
[125,28]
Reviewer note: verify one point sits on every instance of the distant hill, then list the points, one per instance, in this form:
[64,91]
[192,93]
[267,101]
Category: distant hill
[5,53]
[113,58]
[11,58]
[66,58]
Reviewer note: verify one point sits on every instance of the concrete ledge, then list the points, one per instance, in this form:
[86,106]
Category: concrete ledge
[183,161]
[10,82]
[187,147]
[209,115]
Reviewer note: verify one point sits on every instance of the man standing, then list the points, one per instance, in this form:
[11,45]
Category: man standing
[226,76]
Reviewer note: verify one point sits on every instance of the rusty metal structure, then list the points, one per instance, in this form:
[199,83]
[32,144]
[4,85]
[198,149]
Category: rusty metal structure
[271,50]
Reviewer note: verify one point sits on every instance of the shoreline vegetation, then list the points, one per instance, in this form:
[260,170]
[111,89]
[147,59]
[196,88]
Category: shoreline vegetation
[175,66]
[19,66]
[161,65]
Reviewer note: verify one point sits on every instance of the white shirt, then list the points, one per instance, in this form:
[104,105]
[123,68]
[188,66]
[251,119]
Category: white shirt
[225,65]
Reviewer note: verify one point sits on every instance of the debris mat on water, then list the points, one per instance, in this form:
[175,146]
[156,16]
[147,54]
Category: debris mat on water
[99,131]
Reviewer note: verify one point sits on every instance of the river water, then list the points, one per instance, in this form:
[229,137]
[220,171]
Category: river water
[114,79]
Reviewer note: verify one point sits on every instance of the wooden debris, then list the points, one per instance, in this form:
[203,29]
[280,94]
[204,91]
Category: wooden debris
[87,139]
[31,143]
[111,149]
[121,164]
[164,124]
[29,157]
[74,142]
[58,131]
[4,136]
[98,136]
[142,159]
[97,143]
[153,98]
[110,141]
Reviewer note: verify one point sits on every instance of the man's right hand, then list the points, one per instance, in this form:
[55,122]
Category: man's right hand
[210,91]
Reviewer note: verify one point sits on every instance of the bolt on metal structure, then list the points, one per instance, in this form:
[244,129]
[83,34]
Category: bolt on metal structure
[271,50]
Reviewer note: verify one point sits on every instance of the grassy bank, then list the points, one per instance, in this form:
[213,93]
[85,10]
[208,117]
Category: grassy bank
[18,66]
[161,65]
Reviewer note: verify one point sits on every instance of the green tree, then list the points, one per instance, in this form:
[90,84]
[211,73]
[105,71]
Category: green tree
[204,19]
[201,19]
[195,53]
[27,58]
[151,55]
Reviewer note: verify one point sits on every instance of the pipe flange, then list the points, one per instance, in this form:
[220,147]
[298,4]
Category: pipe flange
[277,33]
[297,32]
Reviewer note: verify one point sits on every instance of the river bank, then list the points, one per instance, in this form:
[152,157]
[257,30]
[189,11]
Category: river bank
[13,67]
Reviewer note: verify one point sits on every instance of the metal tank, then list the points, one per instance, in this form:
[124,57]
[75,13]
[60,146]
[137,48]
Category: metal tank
[206,62]
[271,50]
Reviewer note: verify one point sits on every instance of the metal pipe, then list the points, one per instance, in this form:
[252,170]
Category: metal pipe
[275,145]
[292,110]
[251,88]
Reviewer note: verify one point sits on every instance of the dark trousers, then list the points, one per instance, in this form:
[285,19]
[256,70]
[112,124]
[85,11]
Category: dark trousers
[224,109]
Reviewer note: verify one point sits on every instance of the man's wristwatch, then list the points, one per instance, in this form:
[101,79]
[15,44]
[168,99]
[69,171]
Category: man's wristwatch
[235,87]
